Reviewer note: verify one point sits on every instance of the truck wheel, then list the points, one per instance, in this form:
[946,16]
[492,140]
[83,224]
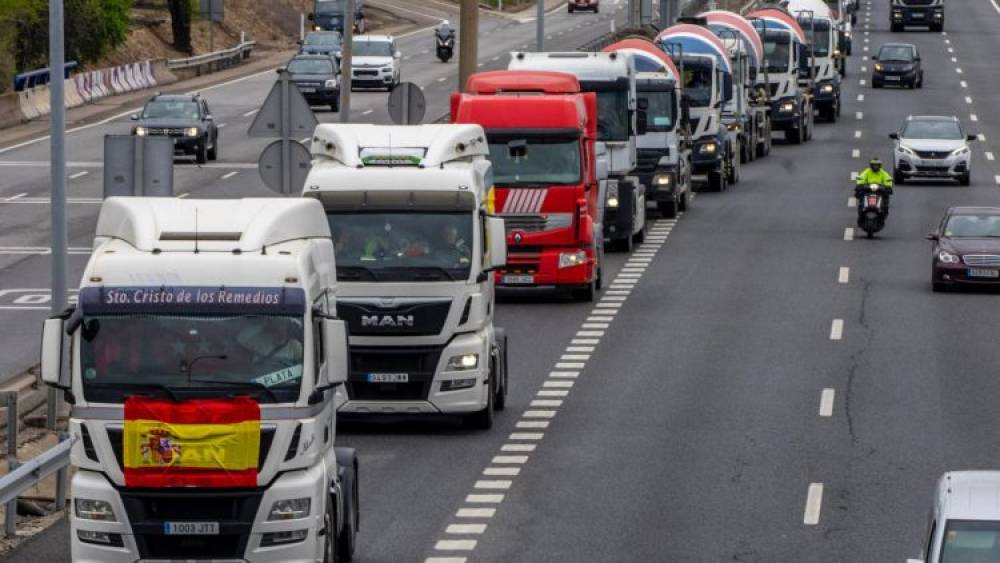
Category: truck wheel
[682,202]
[734,170]
[717,181]
[794,136]
[585,294]
[640,237]
[668,209]
[500,402]
[483,420]
[330,553]
[895,28]
[347,539]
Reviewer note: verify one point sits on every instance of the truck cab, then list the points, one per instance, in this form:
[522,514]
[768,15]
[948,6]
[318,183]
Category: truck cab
[928,13]
[612,78]
[664,150]
[328,15]
[964,522]
[203,354]
[821,32]
[785,54]
[416,246]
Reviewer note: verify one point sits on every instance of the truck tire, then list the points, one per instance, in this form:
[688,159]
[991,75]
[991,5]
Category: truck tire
[734,169]
[682,202]
[640,237]
[895,28]
[717,181]
[347,539]
[500,401]
[483,419]
[668,209]
[585,294]
[330,552]
[794,136]
[937,27]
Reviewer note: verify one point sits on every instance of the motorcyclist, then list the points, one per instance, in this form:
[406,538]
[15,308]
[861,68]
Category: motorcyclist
[874,174]
[444,31]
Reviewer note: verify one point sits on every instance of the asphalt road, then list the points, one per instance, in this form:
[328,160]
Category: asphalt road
[764,389]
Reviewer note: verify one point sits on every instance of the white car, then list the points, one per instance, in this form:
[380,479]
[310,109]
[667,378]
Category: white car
[375,62]
[965,519]
[932,147]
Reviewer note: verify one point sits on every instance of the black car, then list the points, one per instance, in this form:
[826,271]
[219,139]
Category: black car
[322,43]
[897,64]
[317,78]
[186,119]
[966,248]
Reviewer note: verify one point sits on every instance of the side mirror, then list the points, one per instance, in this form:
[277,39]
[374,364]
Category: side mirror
[917,59]
[727,87]
[209,118]
[335,345]
[52,352]
[640,120]
[496,233]
[933,236]
[894,136]
[971,138]
[134,117]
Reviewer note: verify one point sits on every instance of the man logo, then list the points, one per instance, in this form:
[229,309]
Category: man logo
[387,321]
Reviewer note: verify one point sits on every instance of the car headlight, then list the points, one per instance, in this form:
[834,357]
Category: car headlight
[786,107]
[826,88]
[141,131]
[907,150]
[463,361]
[878,67]
[332,83]
[661,180]
[948,257]
[960,151]
[708,148]
[570,259]
[90,509]
[289,509]
[192,132]
[387,69]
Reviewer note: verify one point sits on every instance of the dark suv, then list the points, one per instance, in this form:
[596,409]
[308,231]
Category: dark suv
[897,64]
[317,79]
[185,119]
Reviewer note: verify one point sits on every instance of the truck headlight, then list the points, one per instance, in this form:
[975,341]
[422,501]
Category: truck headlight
[786,107]
[332,83]
[826,88]
[317,28]
[878,67]
[141,131]
[192,132]
[708,148]
[611,200]
[463,361]
[662,180]
[570,259]
[289,509]
[90,509]
[948,257]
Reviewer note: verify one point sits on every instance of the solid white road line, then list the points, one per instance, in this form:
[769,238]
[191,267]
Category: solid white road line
[79,175]
[837,329]
[845,275]
[445,560]
[18,196]
[814,503]
[826,402]
[251,113]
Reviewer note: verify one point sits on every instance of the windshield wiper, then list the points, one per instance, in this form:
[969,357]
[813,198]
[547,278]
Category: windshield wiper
[424,271]
[244,384]
[168,391]
[349,273]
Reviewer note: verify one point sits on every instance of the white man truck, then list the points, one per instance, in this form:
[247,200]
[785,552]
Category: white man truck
[612,77]
[790,91]
[203,354]
[816,20]
[410,212]
[708,86]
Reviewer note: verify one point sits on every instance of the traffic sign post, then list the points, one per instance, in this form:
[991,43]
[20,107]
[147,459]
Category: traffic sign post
[407,104]
[138,166]
[284,115]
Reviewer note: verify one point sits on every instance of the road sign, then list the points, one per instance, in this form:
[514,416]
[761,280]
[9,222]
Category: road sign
[272,166]
[407,104]
[138,166]
[284,107]
[212,9]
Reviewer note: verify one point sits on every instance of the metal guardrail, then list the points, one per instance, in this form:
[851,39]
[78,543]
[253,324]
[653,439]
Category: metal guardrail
[217,60]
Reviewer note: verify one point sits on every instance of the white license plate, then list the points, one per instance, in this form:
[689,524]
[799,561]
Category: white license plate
[388,378]
[918,15]
[983,273]
[893,77]
[518,280]
[191,528]
[307,90]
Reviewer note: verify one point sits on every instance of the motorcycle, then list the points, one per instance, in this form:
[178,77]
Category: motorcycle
[873,207]
[445,47]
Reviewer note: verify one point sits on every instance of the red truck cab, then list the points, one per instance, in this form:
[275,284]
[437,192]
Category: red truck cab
[541,131]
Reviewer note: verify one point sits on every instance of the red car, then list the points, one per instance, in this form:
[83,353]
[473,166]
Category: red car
[574,5]
[967,248]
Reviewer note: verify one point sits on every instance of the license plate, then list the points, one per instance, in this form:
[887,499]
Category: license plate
[191,528]
[307,90]
[983,273]
[388,378]
[918,15]
[872,201]
[892,77]
[518,280]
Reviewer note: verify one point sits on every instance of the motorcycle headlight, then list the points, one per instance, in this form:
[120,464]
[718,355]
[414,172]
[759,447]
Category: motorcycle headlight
[708,148]
[786,107]
[826,88]
[948,258]
[90,509]
[192,132]
[463,361]
[332,83]
[960,151]
[570,259]
[289,509]
[141,131]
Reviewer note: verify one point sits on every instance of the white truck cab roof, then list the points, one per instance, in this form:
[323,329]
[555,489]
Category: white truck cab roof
[586,66]
[969,495]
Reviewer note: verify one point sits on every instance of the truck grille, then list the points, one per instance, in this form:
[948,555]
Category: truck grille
[418,363]
[917,2]
[981,260]
[166,131]
[932,154]
[647,159]
[117,438]
[537,223]
[403,317]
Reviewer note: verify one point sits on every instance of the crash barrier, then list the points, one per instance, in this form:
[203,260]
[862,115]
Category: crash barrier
[32,97]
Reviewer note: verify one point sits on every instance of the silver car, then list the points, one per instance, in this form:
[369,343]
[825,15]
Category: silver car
[965,520]
[932,147]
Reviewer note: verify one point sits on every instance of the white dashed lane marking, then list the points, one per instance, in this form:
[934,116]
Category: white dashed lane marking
[814,504]
[837,329]
[826,402]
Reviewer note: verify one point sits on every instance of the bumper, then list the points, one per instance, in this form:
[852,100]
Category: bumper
[619,221]
[322,96]
[661,192]
[144,540]
[884,77]
[704,165]
[958,275]
[826,94]
[422,393]
[911,167]
[541,268]
[785,120]
[916,16]
[373,81]
[583,5]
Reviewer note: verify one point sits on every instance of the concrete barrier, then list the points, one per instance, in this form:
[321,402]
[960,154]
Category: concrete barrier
[115,80]
[130,78]
[100,88]
[10,110]
[147,73]
[82,86]
[27,106]
[139,77]
[40,97]
[73,98]
[162,74]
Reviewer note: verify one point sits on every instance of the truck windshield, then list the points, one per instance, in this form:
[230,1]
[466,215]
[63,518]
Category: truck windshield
[410,246]
[612,115]
[533,161]
[329,7]
[777,51]
[698,85]
[191,356]
[660,110]
[971,540]
[818,33]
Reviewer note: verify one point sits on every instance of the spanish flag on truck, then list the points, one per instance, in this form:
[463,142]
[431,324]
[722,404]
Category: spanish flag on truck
[212,443]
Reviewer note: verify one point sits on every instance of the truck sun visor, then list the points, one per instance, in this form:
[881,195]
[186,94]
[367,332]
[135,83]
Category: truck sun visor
[192,300]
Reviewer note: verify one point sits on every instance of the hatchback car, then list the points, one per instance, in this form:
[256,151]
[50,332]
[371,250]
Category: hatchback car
[375,62]
[965,519]
[966,248]
[184,118]
[897,64]
[317,78]
[932,147]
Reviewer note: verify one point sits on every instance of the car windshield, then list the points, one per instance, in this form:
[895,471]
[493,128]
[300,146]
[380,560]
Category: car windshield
[777,49]
[660,110]
[932,129]
[535,161]
[310,66]
[372,49]
[322,39]
[973,226]
[971,541]
[163,109]
[330,7]
[698,85]
[191,356]
[896,53]
[402,246]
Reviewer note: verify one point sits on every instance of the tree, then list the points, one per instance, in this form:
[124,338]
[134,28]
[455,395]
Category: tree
[180,24]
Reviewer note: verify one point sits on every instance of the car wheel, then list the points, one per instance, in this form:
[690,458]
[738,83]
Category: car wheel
[898,178]
[569,9]
[201,154]
[939,287]
[717,181]
[965,179]
[213,153]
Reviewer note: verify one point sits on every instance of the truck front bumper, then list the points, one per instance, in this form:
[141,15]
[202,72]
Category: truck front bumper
[547,266]
[139,531]
[786,114]
[827,93]
[923,15]
[663,184]
[703,163]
